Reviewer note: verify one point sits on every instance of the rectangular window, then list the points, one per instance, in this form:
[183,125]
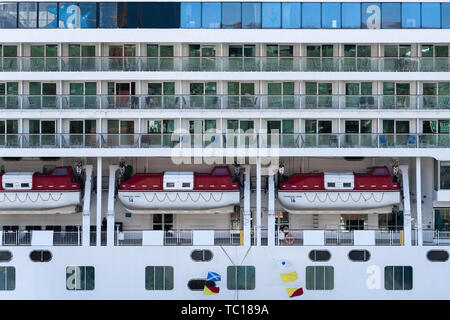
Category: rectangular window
[331,15]
[442,219]
[159,15]
[311,15]
[431,15]
[128,14]
[48,15]
[271,15]
[28,15]
[191,15]
[211,15]
[290,15]
[158,278]
[7,278]
[241,278]
[398,278]
[251,15]
[231,15]
[351,19]
[445,12]
[80,278]
[370,16]
[108,15]
[444,167]
[9,15]
[319,278]
[410,15]
[390,15]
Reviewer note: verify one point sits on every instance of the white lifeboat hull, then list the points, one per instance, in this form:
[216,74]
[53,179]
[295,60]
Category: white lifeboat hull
[179,201]
[294,201]
[39,201]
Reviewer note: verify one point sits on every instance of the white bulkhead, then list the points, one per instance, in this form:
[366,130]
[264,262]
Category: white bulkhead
[17,181]
[178,181]
[339,181]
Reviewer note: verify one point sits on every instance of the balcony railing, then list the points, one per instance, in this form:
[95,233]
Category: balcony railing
[225,64]
[226,102]
[228,140]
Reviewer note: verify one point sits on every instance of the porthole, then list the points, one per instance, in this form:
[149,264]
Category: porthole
[437,255]
[359,255]
[199,284]
[201,255]
[319,255]
[5,256]
[41,256]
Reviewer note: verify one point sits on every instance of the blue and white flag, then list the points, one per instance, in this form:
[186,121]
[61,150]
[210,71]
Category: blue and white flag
[212,276]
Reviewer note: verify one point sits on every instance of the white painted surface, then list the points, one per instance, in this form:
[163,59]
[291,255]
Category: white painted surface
[313,237]
[152,237]
[42,238]
[364,237]
[203,237]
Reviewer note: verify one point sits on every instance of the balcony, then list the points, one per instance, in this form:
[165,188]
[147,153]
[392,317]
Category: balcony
[225,102]
[223,140]
[223,64]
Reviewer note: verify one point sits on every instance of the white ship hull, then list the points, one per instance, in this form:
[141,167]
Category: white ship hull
[47,202]
[295,201]
[179,201]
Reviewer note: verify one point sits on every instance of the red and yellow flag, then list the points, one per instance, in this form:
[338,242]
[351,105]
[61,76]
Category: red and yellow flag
[294,292]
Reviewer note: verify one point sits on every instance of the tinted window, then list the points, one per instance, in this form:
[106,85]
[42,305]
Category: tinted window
[60,172]
[359,255]
[159,278]
[380,171]
[231,15]
[351,20]
[201,255]
[5,256]
[331,15]
[319,278]
[199,284]
[80,278]
[127,14]
[108,15]
[191,15]
[370,16]
[211,15]
[437,255]
[7,278]
[27,15]
[251,15]
[271,15]
[159,15]
[410,15]
[390,15]
[431,15]
[398,278]
[445,9]
[290,15]
[40,256]
[8,15]
[220,171]
[319,255]
[241,277]
[311,15]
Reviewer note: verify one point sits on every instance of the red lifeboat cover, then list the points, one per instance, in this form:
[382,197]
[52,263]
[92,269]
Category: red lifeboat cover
[218,179]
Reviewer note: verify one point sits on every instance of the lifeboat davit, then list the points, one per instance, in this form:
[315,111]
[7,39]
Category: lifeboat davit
[180,192]
[29,193]
[374,192]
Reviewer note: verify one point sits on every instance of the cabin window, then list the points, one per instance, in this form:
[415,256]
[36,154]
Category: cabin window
[331,185]
[186,185]
[5,256]
[170,185]
[437,255]
[220,171]
[380,171]
[9,185]
[354,221]
[41,256]
[347,185]
[7,278]
[398,278]
[319,278]
[25,185]
[319,255]
[80,278]
[241,278]
[359,255]
[159,278]
[199,284]
[201,255]
[60,172]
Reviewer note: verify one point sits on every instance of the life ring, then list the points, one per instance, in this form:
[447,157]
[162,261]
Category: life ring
[289,239]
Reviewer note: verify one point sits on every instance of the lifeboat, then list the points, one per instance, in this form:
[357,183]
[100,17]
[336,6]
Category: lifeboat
[180,192]
[29,193]
[373,192]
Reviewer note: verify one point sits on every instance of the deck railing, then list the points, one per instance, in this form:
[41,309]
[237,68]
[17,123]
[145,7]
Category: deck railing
[224,64]
[225,102]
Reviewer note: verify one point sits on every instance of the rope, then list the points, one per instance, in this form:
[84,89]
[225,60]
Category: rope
[27,198]
[189,196]
[340,196]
